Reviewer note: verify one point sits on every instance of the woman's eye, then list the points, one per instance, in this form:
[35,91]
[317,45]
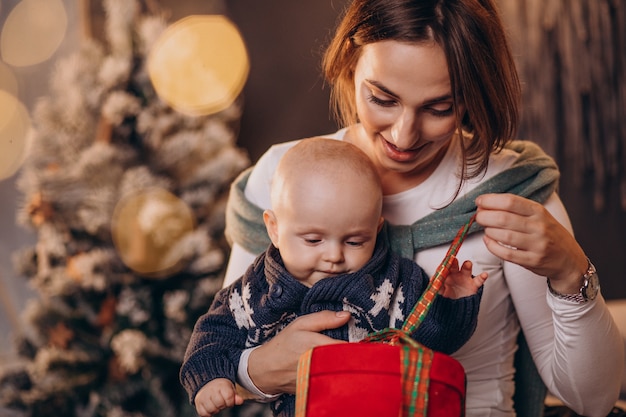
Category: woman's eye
[312,241]
[380,102]
[354,244]
[439,112]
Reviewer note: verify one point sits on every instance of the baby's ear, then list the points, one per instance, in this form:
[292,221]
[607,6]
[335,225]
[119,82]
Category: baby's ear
[381,221]
[271,225]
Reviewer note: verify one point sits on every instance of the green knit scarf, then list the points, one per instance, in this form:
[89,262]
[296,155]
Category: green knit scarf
[534,175]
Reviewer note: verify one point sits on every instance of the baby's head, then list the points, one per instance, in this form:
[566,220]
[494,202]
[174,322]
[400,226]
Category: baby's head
[326,209]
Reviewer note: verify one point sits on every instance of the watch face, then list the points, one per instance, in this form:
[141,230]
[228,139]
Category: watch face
[591,286]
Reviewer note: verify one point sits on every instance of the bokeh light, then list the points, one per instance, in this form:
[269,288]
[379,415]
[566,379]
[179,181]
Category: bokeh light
[32,32]
[8,80]
[14,134]
[199,65]
[146,229]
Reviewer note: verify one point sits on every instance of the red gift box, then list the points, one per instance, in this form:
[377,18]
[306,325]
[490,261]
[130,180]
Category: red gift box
[366,379]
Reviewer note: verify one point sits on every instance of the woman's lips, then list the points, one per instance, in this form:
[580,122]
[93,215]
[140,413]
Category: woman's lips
[398,155]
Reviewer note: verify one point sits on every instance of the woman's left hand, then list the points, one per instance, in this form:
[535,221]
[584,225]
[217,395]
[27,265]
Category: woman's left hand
[522,231]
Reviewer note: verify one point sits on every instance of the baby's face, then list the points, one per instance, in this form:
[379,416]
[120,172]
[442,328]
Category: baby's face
[326,228]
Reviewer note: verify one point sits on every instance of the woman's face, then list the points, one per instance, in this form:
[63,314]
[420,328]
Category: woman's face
[405,107]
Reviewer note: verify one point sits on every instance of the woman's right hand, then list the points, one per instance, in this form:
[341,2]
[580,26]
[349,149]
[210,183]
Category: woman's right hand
[273,366]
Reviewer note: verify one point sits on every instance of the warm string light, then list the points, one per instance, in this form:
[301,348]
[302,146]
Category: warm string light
[14,138]
[33,31]
[199,65]
[146,229]
[31,34]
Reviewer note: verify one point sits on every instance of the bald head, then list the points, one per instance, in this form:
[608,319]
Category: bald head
[331,164]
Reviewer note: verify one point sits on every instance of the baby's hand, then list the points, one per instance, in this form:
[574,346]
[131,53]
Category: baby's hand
[215,396]
[460,282]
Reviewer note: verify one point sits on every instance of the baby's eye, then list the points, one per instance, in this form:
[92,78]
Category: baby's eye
[354,243]
[312,241]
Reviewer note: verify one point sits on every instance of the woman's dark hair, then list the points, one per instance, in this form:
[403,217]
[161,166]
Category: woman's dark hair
[482,70]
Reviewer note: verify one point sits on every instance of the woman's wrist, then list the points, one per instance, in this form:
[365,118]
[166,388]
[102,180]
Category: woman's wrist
[261,374]
[243,378]
[585,287]
[568,279]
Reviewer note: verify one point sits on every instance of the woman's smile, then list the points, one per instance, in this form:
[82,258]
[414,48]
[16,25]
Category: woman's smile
[401,155]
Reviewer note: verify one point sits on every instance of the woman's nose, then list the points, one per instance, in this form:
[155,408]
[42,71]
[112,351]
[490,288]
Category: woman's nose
[405,131]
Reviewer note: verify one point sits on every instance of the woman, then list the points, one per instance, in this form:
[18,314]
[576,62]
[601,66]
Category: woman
[429,90]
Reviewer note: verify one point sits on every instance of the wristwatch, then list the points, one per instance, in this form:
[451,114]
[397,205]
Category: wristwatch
[589,289]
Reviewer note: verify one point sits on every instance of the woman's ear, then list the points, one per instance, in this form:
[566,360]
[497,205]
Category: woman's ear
[271,225]
[381,221]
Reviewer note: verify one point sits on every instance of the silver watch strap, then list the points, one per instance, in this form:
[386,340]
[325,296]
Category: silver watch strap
[577,298]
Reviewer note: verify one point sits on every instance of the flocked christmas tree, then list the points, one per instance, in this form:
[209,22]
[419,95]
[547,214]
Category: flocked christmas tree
[127,197]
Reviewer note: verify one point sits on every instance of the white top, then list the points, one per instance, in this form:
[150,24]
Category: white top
[576,346]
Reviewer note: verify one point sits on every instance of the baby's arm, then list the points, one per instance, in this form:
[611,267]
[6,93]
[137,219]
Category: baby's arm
[460,282]
[453,316]
[217,395]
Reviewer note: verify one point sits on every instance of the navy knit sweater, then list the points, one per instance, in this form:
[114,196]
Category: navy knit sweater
[267,298]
